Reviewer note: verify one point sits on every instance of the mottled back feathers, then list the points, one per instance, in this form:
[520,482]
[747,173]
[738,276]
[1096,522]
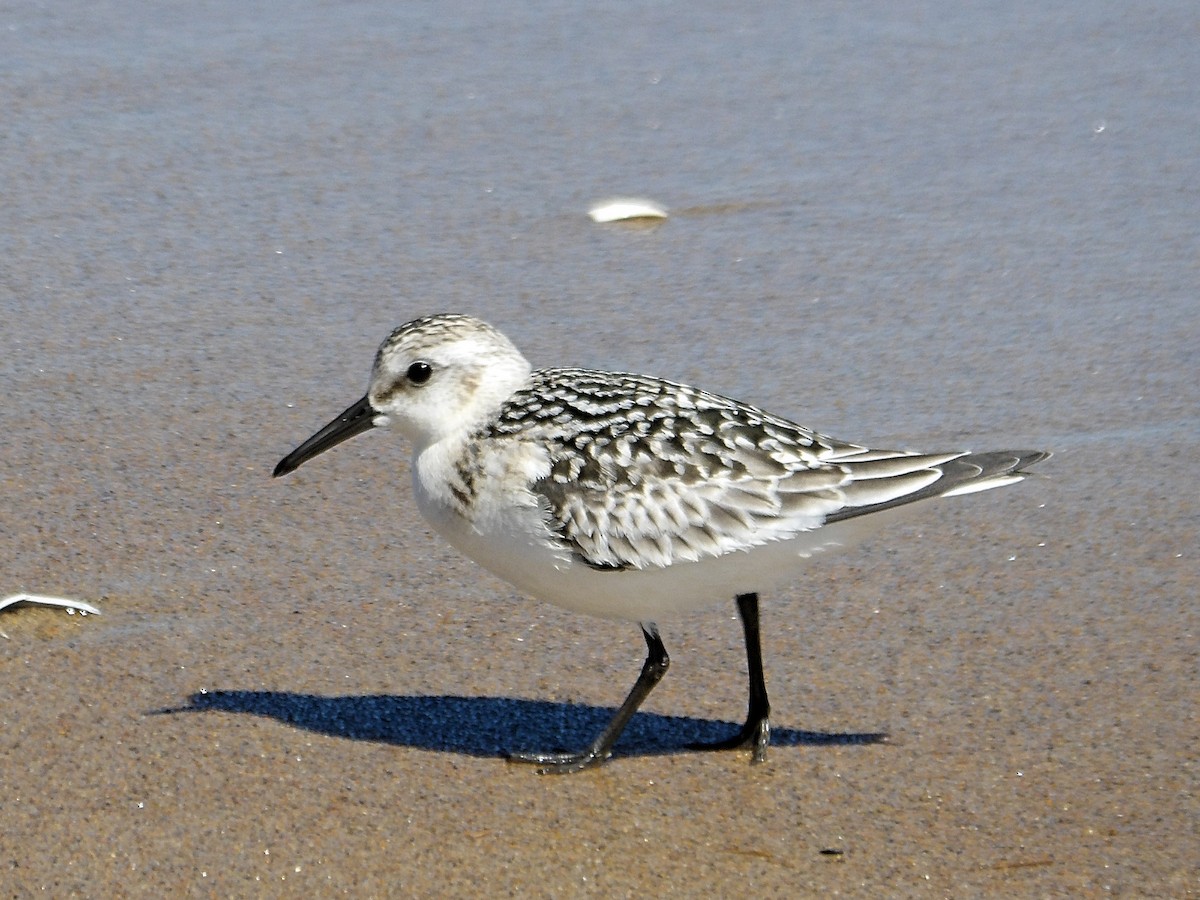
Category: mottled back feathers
[645,472]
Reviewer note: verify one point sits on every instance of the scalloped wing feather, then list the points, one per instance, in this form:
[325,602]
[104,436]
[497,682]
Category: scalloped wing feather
[642,472]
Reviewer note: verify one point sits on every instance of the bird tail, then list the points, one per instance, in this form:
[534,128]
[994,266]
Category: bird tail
[984,471]
[965,474]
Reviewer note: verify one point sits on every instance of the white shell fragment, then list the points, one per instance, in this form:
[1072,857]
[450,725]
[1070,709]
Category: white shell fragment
[622,208]
[69,605]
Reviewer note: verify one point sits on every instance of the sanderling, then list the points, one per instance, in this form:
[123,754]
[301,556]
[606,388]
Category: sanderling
[627,496]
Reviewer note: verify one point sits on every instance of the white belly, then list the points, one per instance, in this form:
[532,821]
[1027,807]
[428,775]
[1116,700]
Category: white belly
[512,544]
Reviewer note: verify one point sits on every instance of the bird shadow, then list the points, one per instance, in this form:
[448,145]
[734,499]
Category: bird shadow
[487,726]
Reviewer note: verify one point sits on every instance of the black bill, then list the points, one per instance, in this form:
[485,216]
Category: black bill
[355,420]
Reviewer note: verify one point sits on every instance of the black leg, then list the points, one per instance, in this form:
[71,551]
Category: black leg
[756,733]
[653,669]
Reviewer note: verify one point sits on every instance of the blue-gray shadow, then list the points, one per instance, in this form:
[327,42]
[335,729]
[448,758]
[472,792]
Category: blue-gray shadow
[488,726]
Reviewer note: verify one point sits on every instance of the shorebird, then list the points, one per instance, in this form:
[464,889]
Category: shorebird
[627,496]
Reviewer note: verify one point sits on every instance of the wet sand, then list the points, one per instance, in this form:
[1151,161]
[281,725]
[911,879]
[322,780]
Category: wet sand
[935,228]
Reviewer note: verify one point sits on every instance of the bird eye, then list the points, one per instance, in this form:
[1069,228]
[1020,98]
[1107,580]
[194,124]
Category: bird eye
[419,372]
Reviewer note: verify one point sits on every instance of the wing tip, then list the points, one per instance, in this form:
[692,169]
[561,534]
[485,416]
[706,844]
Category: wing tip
[996,468]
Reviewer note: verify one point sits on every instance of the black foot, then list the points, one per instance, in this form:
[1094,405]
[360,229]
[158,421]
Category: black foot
[560,763]
[653,669]
[755,735]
